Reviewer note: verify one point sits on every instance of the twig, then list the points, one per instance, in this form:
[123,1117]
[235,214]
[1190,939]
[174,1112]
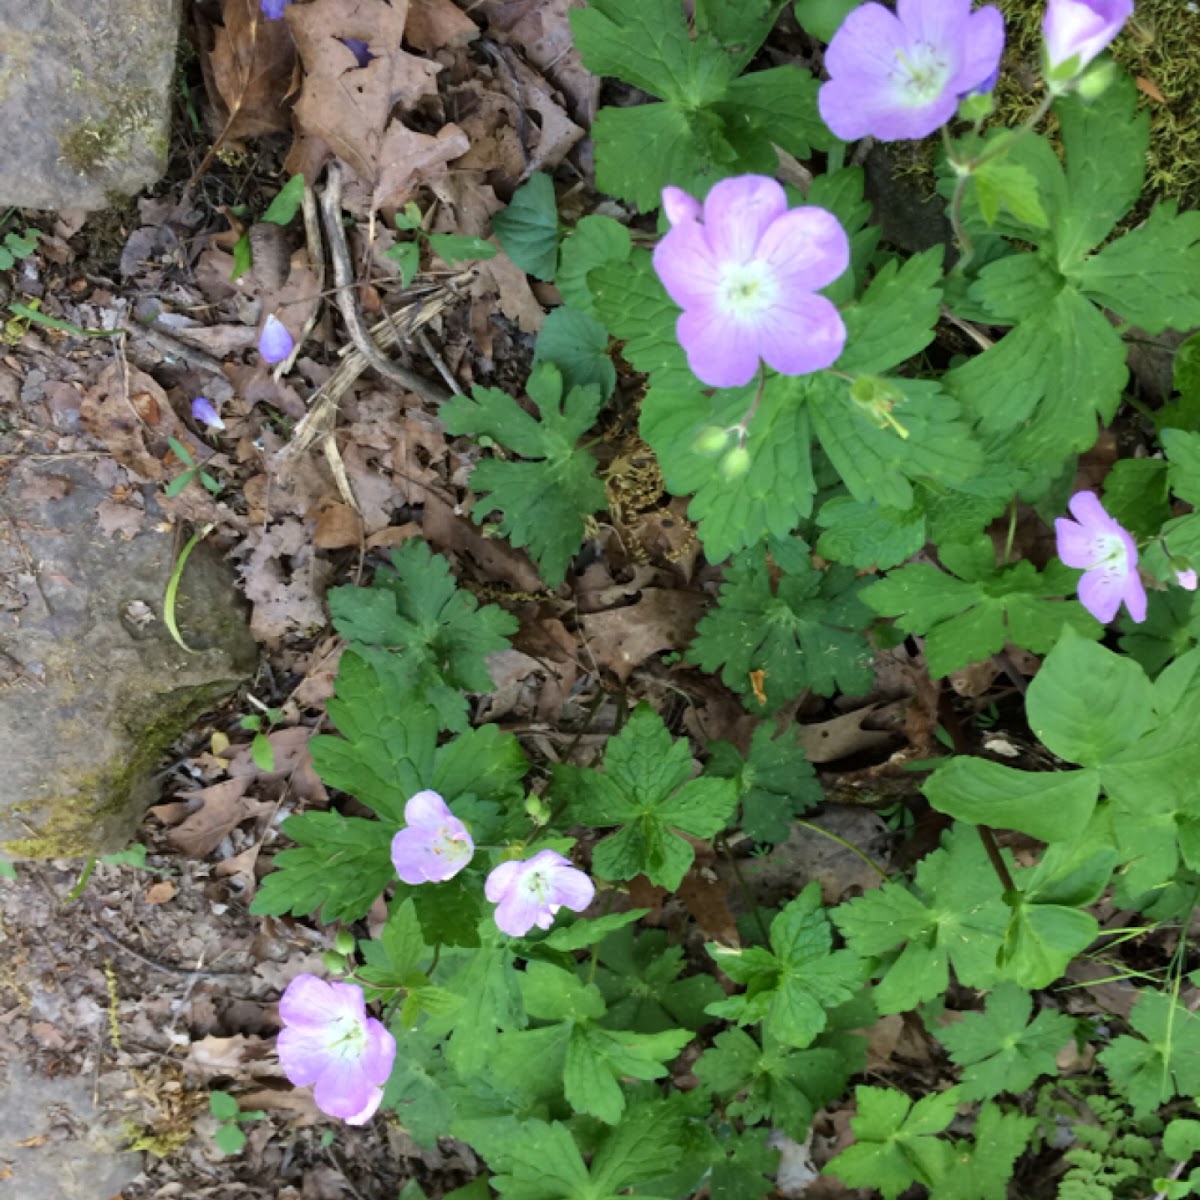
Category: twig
[172,347]
[316,261]
[343,278]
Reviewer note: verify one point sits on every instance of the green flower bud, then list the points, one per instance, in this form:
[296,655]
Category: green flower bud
[335,963]
[1096,79]
[711,440]
[345,942]
[977,106]
[735,464]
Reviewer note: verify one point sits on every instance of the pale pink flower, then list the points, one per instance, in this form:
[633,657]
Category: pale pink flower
[434,846]
[530,893]
[1103,548]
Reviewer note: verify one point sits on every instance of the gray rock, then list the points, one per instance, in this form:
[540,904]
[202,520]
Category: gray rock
[93,689]
[55,1143]
[84,99]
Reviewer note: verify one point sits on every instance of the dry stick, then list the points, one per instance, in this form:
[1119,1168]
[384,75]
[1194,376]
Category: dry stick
[316,261]
[343,278]
[172,347]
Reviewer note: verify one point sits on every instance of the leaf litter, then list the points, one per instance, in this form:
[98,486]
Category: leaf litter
[322,469]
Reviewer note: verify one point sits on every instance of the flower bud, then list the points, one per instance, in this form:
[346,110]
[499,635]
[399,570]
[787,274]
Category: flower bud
[335,963]
[1096,79]
[735,464]
[711,440]
[345,942]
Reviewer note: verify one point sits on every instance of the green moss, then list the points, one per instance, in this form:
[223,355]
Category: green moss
[102,808]
[135,118]
[1158,47]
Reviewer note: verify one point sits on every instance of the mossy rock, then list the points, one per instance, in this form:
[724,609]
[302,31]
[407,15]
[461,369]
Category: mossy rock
[85,99]
[93,689]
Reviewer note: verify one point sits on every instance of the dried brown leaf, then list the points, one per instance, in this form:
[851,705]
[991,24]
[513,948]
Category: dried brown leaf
[223,807]
[621,639]
[251,69]
[438,24]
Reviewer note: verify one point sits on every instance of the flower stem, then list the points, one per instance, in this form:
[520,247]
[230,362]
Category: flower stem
[996,858]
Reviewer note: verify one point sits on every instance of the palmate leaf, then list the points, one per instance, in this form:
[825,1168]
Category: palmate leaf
[542,502]
[801,632]
[982,1168]
[422,631]
[953,916]
[999,1049]
[791,986]
[1163,1062]
[896,1143]
[646,789]
[968,616]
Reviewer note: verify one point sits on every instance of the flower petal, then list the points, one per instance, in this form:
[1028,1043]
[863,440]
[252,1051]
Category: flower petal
[1075,544]
[720,352]
[344,1090]
[1086,508]
[303,1055]
[982,49]
[380,1055]
[502,880]
[680,206]
[866,43]
[368,1110]
[413,858]
[737,212]
[684,262]
[427,809]
[274,342]
[1135,597]
[312,1003]
[572,889]
[1101,593]
[940,23]
[517,913]
[806,248]
[804,335]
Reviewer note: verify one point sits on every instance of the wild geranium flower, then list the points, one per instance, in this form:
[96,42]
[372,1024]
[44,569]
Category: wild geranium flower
[435,844]
[745,269]
[204,411]
[530,893]
[273,9]
[275,343]
[1080,29]
[328,1041]
[1108,556]
[900,75]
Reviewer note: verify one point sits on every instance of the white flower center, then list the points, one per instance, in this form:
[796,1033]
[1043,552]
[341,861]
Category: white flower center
[347,1038]
[1109,554]
[450,845]
[922,73]
[747,289]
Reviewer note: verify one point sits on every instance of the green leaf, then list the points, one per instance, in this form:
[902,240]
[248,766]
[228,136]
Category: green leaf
[1087,703]
[790,987]
[867,535]
[243,258]
[528,228]
[802,632]
[1160,1063]
[407,257]
[740,28]
[895,1141]
[229,1138]
[543,1163]
[822,18]
[434,636]
[594,242]
[1051,806]
[896,315]
[970,618]
[771,1083]
[223,1106]
[577,344]
[641,985]
[341,866]
[775,107]
[543,502]
[646,789]
[999,1049]
[1010,287]
[1041,941]
[587,931]
[1171,628]
[953,916]
[287,202]
[452,248]
[598,1059]
[775,781]
[644,1146]
[1135,494]
[1007,183]
[262,753]
[982,1170]
[1183,451]
[1169,299]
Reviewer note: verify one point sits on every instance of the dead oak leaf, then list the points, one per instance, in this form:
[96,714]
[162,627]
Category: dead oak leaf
[223,807]
[347,106]
[249,71]
[621,639]
[438,24]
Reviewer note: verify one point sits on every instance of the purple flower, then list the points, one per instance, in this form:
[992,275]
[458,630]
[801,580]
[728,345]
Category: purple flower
[1188,580]
[530,893]
[1108,556]
[1080,29]
[275,343]
[328,1040]
[273,9]
[745,270]
[205,412]
[359,48]
[900,75]
[434,846]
